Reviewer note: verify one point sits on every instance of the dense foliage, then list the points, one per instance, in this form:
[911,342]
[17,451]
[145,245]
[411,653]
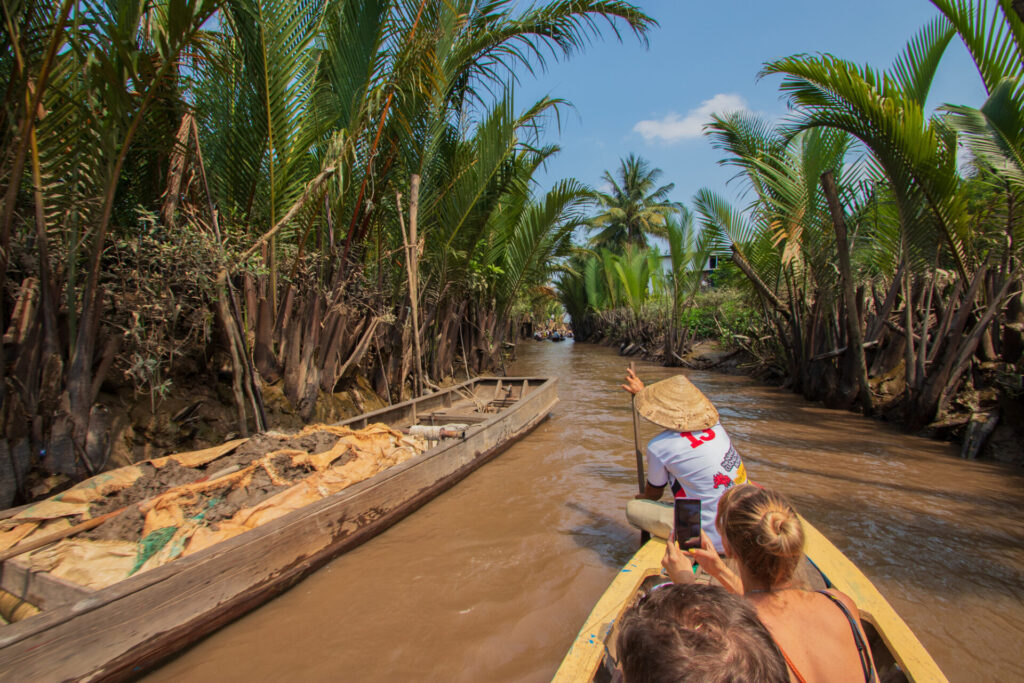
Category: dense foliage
[302,189]
[882,274]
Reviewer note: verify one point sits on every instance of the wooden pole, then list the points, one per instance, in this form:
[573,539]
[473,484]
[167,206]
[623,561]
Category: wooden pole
[53,537]
[641,479]
[412,270]
[414,212]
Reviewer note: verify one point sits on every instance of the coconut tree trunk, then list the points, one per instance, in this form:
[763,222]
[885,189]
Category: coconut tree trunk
[856,338]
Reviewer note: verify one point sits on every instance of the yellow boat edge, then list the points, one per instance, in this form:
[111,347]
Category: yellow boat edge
[587,650]
[584,657]
[911,655]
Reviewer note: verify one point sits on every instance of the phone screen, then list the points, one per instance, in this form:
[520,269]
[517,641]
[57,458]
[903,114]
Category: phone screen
[688,523]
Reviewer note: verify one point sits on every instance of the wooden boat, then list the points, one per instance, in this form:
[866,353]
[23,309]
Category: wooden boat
[130,626]
[898,654]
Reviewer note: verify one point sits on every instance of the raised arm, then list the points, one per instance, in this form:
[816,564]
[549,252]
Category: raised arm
[633,384]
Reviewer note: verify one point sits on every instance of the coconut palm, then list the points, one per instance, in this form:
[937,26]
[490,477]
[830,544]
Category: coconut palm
[634,207]
[290,133]
[912,161]
[995,132]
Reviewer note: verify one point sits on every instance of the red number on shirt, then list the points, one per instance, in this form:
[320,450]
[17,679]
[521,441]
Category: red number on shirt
[696,441]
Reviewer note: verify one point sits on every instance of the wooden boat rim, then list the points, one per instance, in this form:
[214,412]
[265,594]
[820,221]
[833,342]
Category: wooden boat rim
[587,650]
[426,397]
[15,632]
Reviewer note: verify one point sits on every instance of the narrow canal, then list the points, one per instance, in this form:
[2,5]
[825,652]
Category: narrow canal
[491,581]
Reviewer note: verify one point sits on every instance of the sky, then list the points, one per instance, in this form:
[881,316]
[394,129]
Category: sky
[704,58]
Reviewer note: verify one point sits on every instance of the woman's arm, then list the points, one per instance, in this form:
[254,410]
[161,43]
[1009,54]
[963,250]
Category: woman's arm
[710,561]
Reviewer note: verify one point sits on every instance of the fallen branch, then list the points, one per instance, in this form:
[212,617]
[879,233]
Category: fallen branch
[841,350]
[978,432]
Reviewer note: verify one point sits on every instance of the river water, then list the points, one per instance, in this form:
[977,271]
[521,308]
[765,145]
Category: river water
[492,580]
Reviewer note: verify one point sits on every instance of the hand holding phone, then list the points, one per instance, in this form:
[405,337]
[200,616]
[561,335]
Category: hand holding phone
[687,523]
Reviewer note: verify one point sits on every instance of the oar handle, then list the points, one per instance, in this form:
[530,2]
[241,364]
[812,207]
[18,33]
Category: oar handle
[640,478]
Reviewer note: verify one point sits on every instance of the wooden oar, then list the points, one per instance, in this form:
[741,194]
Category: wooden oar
[640,478]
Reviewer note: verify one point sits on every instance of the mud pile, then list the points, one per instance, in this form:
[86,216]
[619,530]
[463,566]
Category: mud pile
[174,506]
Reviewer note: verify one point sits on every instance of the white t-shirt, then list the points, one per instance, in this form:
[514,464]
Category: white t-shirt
[701,464]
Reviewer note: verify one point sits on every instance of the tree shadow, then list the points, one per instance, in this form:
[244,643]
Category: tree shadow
[995,502]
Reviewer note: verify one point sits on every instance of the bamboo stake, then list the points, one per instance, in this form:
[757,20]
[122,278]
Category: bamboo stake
[412,270]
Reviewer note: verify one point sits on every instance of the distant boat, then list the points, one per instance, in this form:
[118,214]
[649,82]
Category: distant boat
[556,337]
[898,654]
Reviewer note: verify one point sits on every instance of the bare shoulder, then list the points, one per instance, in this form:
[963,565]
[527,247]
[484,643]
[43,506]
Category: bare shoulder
[846,600]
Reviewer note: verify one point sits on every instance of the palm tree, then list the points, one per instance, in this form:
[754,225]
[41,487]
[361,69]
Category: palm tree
[300,129]
[633,208]
[995,132]
[688,253]
[913,162]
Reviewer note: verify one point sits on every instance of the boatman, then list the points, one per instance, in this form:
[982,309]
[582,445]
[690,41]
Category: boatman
[694,454]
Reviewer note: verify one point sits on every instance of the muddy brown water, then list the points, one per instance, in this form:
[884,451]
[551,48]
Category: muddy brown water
[492,580]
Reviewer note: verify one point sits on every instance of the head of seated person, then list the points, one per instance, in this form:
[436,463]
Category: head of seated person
[696,632]
[762,531]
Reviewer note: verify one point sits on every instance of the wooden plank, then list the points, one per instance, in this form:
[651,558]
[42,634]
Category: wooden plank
[142,620]
[587,650]
[913,658]
[40,589]
[469,418]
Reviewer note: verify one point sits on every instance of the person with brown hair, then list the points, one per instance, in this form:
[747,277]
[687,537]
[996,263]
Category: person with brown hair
[818,632]
[696,632]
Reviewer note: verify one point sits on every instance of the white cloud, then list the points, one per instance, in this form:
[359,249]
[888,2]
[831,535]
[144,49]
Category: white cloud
[673,128]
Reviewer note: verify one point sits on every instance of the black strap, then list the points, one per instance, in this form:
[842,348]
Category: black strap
[862,648]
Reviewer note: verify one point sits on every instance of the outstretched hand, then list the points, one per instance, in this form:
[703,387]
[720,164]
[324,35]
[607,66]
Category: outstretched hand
[676,563]
[633,384]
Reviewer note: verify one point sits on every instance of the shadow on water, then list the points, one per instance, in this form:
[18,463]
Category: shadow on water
[609,537]
[994,503]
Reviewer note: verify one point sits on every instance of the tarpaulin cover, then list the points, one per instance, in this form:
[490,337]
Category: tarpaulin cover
[175,522]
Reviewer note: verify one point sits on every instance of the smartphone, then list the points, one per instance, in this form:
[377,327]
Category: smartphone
[688,523]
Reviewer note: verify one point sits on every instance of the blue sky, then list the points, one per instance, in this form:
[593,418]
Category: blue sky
[703,57]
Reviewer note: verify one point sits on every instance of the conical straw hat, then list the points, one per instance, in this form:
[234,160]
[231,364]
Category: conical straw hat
[676,404]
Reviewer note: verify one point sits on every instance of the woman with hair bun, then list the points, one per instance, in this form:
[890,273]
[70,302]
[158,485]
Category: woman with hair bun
[818,632]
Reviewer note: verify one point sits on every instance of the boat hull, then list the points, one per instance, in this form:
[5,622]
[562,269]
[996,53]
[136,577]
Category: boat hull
[133,625]
[898,654]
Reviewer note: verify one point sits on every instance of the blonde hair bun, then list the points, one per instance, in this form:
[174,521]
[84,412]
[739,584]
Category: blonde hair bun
[764,532]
